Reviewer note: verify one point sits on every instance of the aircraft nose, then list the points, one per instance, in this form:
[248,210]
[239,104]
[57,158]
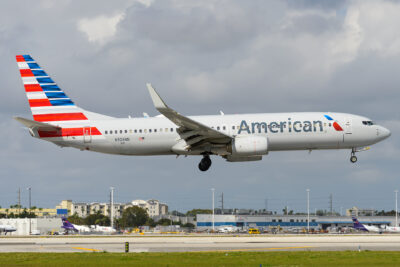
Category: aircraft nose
[384,133]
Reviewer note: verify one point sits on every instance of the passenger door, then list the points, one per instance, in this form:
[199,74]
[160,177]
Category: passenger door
[348,128]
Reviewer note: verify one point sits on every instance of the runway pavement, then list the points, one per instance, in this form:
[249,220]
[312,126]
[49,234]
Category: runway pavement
[199,243]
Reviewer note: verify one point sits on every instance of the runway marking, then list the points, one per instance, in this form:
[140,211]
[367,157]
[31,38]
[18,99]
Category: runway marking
[87,249]
[253,249]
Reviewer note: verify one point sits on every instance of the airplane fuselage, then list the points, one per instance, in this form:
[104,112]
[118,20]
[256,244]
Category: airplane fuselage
[284,131]
[240,137]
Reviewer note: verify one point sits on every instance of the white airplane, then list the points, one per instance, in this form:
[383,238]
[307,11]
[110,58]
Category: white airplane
[391,229]
[240,137]
[7,228]
[227,229]
[103,229]
[74,228]
[367,228]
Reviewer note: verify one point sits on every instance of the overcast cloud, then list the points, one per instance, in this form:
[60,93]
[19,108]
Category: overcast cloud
[205,56]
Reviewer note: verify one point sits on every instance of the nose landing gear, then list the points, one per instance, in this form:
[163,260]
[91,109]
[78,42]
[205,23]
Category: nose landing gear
[205,163]
[353,158]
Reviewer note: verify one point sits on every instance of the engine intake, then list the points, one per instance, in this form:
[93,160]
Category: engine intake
[249,146]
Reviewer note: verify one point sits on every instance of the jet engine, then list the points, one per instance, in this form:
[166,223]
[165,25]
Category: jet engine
[249,146]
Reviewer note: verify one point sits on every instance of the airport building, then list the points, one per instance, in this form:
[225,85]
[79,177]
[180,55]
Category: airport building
[205,221]
[39,212]
[154,207]
[37,226]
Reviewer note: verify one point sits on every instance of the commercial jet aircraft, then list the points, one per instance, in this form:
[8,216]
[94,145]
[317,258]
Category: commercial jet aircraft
[240,137]
[74,228]
[391,229]
[7,228]
[367,228]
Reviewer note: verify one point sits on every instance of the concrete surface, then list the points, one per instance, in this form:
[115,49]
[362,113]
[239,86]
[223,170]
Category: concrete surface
[199,243]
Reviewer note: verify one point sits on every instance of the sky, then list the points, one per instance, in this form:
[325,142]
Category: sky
[203,57]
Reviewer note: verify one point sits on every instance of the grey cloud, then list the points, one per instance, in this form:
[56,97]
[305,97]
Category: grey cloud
[319,4]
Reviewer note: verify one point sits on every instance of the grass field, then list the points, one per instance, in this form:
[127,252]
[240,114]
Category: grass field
[294,258]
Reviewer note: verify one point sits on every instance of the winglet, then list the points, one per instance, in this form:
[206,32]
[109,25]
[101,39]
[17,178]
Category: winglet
[157,101]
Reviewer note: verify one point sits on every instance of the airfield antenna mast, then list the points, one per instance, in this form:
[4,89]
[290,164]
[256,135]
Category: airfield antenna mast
[19,200]
[112,207]
[331,204]
[213,215]
[308,210]
[222,203]
[396,191]
[30,210]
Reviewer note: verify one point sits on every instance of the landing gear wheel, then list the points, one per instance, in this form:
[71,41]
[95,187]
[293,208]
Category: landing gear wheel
[353,159]
[205,163]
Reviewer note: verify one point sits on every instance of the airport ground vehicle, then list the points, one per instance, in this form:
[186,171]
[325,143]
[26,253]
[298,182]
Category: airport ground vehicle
[254,231]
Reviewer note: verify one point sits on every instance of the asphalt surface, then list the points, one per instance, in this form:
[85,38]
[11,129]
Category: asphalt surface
[200,243]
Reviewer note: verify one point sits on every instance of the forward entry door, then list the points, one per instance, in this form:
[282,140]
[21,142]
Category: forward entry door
[348,128]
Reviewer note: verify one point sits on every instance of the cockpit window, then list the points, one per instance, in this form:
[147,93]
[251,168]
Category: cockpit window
[369,123]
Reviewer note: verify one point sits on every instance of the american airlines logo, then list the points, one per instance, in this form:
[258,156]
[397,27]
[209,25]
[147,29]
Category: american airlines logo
[292,126]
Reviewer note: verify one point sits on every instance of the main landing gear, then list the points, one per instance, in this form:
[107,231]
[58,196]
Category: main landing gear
[205,163]
[353,158]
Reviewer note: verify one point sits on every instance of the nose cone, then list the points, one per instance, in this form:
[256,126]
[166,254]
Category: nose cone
[384,133]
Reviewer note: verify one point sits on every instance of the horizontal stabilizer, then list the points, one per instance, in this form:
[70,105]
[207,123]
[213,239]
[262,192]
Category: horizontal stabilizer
[37,125]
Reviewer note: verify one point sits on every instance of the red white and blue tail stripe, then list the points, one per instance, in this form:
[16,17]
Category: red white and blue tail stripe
[47,101]
[49,104]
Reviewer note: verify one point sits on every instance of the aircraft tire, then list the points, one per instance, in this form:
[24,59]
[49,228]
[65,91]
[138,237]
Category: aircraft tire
[353,159]
[205,164]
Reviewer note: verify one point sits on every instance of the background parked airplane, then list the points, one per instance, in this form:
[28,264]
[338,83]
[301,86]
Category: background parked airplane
[237,138]
[391,229]
[4,228]
[362,227]
[73,228]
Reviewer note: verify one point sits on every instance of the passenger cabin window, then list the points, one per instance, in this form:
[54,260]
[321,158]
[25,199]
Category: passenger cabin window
[172,129]
[105,132]
[224,128]
[217,127]
[110,132]
[140,131]
[120,131]
[135,131]
[149,130]
[126,131]
[233,127]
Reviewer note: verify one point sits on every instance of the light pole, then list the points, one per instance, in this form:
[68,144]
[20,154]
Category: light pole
[30,224]
[308,211]
[396,191]
[112,207]
[213,215]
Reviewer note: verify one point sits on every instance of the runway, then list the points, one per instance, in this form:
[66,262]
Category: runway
[200,243]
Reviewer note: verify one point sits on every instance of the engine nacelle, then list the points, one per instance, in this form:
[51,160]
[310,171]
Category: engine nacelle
[249,146]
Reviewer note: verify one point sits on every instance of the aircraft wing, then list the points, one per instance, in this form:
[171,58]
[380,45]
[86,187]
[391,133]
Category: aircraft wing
[193,132]
[37,125]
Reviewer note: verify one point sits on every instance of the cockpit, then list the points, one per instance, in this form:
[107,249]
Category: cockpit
[369,123]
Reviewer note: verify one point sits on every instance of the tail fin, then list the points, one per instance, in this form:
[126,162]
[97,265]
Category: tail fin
[358,225]
[67,224]
[47,101]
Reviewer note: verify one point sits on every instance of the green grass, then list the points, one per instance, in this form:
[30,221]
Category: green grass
[281,258]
